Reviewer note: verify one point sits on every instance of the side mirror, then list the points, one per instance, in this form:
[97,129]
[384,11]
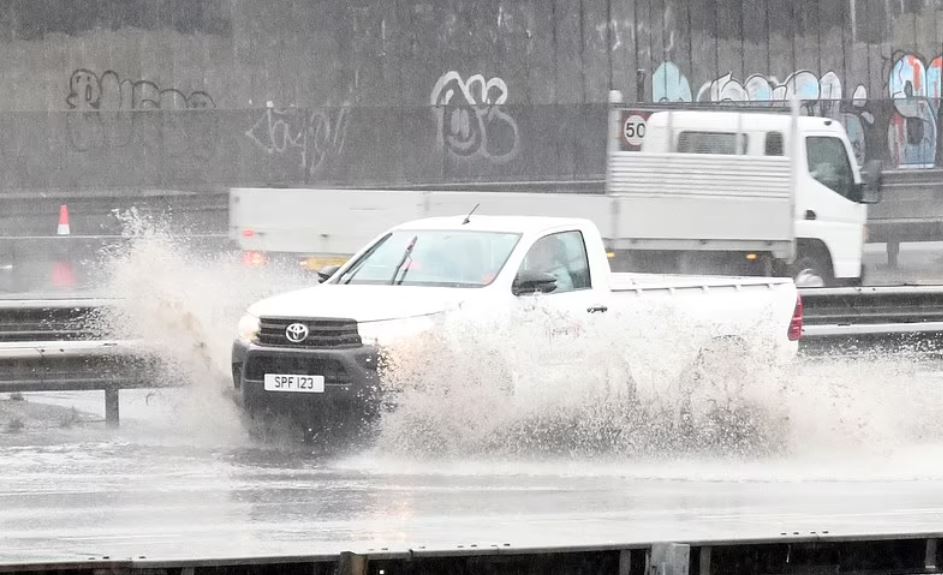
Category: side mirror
[530,282]
[871,187]
[326,272]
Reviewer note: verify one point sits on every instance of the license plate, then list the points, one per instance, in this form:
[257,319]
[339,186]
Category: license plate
[300,383]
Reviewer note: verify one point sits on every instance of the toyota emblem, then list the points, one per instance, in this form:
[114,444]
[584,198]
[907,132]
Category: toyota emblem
[296,332]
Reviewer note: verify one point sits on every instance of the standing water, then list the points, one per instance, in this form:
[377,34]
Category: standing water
[627,387]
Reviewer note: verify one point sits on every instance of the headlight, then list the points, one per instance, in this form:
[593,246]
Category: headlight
[249,328]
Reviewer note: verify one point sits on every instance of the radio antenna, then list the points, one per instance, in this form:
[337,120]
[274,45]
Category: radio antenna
[468,217]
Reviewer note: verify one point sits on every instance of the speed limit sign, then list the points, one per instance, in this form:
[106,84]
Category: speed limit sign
[633,129]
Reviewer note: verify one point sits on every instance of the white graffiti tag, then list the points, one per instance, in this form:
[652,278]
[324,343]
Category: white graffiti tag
[315,136]
[469,118]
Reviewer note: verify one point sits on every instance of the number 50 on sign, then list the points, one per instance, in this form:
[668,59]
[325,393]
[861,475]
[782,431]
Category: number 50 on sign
[633,129]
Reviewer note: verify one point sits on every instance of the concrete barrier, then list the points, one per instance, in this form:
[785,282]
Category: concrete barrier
[798,553]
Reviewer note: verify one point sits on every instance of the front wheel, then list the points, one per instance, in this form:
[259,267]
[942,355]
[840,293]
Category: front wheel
[260,423]
[811,271]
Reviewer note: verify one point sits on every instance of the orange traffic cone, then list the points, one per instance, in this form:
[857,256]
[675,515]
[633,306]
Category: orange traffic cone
[64,229]
[63,275]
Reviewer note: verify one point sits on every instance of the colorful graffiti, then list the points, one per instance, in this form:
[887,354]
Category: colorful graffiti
[803,84]
[820,96]
[669,84]
[914,87]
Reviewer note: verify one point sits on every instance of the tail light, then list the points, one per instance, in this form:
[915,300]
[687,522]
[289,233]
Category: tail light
[253,259]
[795,324]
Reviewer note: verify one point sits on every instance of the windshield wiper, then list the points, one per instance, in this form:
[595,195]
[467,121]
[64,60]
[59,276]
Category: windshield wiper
[354,270]
[407,256]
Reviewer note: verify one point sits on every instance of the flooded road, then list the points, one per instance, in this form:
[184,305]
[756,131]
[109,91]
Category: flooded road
[179,483]
[858,449]
[126,500]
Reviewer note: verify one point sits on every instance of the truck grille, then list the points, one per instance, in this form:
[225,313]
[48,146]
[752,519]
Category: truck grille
[333,370]
[322,333]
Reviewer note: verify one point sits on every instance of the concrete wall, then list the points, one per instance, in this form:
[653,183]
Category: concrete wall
[190,93]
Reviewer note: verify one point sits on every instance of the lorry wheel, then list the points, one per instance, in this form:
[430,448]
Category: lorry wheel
[811,271]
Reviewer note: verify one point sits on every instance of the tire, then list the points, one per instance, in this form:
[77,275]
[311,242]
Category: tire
[812,270]
[262,423]
[251,407]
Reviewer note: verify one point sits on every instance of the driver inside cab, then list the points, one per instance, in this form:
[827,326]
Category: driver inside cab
[548,255]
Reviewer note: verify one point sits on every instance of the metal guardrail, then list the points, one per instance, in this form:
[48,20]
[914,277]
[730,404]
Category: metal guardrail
[848,311]
[910,206]
[794,553]
[873,320]
[59,345]
[910,209]
[50,319]
[828,312]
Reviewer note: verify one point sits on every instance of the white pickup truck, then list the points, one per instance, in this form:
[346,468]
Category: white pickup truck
[313,354]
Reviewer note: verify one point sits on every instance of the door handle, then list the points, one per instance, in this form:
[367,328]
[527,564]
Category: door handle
[597,309]
[810,215]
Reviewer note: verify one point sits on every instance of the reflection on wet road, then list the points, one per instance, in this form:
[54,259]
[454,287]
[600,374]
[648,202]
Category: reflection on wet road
[128,497]
[181,479]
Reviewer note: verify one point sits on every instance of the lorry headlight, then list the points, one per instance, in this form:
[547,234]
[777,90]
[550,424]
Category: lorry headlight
[249,328]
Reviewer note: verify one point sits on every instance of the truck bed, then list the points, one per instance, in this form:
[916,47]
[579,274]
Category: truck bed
[332,222]
[673,201]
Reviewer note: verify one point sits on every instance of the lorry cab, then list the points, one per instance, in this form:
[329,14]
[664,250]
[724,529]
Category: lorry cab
[804,196]
[831,208]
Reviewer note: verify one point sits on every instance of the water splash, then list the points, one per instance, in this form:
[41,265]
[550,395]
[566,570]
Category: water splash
[630,385]
[635,387]
[546,382]
[867,406]
[183,305]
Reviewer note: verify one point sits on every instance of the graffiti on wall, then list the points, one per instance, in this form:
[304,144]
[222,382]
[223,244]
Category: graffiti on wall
[470,122]
[820,96]
[88,91]
[113,113]
[913,84]
[669,84]
[315,136]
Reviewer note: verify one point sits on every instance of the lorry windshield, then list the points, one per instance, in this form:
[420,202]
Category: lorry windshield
[433,258]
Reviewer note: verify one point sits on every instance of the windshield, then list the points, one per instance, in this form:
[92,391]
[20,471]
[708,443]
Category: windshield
[433,258]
